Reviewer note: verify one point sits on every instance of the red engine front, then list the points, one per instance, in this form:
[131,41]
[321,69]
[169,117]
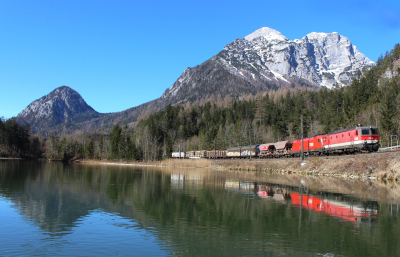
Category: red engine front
[353,140]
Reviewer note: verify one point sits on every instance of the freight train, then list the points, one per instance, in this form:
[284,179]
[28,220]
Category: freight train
[344,141]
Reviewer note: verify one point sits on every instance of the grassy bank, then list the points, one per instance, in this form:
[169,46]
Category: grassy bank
[384,166]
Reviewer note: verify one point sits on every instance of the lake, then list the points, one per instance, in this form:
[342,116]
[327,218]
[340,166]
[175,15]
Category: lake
[56,209]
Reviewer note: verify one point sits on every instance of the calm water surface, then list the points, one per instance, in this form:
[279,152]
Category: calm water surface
[55,209]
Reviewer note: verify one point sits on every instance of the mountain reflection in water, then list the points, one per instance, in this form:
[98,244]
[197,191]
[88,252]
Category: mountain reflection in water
[102,210]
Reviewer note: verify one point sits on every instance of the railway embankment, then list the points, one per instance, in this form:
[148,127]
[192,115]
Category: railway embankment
[380,165]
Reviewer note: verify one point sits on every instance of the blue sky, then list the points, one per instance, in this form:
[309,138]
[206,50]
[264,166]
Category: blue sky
[119,54]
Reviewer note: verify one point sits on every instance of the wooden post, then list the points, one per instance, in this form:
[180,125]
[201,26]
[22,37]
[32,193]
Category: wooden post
[215,150]
[302,141]
[250,145]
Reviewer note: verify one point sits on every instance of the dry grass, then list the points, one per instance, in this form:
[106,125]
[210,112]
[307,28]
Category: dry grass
[384,166]
[188,163]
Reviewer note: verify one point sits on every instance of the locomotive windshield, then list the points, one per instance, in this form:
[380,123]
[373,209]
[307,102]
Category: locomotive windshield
[369,131]
[374,131]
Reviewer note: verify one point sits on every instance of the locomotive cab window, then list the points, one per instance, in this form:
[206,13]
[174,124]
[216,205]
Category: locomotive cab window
[342,135]
[365,132]
[356,132]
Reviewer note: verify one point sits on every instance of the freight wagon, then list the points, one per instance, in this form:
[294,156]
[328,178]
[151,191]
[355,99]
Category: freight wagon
[196,154]
[267,150]
[178,155]
[216,154]
[277,150]
[243,151]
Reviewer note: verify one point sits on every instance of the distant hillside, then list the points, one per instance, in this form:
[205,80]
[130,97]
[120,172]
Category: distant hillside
[64,111]
[63,106]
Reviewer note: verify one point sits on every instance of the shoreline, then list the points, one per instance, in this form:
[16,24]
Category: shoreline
[355,179]
[373,166]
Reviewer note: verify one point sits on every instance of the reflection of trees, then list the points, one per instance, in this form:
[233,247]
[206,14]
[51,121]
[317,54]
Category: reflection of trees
[47,194]
[193,215]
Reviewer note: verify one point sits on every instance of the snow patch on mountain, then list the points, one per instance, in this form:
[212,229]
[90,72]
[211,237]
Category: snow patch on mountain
[318,35]
[267,33]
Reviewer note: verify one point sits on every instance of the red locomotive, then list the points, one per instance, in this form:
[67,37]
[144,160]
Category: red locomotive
[350,140]
[312,146]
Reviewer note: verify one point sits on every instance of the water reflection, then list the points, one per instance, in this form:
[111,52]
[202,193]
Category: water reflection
[348,211]
[338,205]
[193,212]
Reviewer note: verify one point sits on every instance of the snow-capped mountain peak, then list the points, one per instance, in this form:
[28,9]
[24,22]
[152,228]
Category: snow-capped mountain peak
[319,35]
[267,33]
[266,60]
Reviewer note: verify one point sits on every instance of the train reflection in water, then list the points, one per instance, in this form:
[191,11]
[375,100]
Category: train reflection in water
[341,206]
[346,211]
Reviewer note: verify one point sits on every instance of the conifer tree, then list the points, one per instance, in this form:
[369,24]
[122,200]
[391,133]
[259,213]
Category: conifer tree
[115,140]
[90,149]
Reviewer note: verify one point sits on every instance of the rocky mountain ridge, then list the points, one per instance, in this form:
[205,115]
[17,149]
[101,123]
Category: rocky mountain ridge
[267,60]
[64,111]
[61,100]
[62,106]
